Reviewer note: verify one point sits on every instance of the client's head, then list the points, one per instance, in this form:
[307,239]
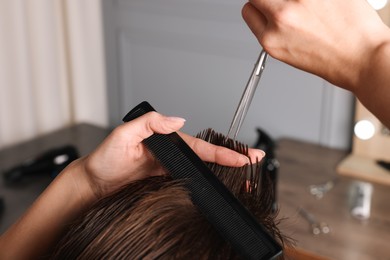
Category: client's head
[155,217]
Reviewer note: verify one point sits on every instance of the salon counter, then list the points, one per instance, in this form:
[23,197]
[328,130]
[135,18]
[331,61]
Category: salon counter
[303,164]
[18,198]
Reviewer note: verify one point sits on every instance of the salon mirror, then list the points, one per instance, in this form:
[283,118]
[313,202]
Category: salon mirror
[370,149]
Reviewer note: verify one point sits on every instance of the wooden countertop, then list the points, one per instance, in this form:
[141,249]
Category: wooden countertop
[303,164]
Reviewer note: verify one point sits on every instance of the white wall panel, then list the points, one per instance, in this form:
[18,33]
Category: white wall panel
[193,58]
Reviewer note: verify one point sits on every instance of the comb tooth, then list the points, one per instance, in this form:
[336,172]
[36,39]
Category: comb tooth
[248,237]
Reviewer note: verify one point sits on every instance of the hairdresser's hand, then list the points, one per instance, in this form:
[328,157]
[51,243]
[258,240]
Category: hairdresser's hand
[122,157]
[333,39]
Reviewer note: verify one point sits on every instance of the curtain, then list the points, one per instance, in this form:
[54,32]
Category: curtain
[51,67]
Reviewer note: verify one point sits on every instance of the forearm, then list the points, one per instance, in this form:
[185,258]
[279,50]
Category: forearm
[373,88]
[35,234]
[322,38]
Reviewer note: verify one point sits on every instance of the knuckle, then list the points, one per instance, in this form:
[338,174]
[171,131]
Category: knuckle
[245,9]
[152,116]
[284,15]
[153,121]
[266,40]
[120,130]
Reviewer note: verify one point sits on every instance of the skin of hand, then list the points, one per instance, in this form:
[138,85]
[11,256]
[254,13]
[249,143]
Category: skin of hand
[120,159]
[344,42]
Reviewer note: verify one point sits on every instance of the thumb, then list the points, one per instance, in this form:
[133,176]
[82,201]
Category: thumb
[153,122]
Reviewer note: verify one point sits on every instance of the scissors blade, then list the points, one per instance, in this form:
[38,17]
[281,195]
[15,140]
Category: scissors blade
[247,96]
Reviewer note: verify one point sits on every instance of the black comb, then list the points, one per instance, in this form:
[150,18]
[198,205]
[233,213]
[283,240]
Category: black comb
[230,218]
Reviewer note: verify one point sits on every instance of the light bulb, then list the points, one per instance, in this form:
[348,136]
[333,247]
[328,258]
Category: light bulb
[364,129]
[377,4]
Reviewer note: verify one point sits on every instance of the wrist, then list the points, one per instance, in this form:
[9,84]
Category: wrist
[373,88]
[65,199]
[352,57]
[79,183]
[375,55]
[372,73]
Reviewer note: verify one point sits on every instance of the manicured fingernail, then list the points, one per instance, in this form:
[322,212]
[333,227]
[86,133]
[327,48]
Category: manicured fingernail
[262,153]
[176,119]
[244,159]
[257,155]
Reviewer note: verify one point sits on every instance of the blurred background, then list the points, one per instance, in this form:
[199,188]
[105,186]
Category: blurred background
[193,59]
[52,70]
[66,62]
[70,70]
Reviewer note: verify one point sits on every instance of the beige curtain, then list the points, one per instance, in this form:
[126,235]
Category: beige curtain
[51,67]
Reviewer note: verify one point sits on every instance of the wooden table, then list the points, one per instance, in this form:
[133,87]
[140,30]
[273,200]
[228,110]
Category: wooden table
[84,137]
[303,164]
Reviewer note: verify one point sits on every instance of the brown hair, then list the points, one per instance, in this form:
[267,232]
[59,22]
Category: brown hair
[155,218]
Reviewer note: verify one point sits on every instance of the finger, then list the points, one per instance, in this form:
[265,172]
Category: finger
[157,123]
[212,153]
[150,123]
[255,20]
[255,154]
[268,8]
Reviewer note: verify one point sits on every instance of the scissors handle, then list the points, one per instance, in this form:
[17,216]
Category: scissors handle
[247,96]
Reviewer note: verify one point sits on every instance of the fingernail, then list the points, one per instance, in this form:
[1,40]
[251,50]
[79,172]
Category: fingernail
[176,119]
[258,155]
[262,153]
[244,159]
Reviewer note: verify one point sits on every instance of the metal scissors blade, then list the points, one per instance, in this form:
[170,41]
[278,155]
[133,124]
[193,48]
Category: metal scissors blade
[247,96]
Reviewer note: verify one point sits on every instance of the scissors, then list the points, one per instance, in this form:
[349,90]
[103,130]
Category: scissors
[247,96]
